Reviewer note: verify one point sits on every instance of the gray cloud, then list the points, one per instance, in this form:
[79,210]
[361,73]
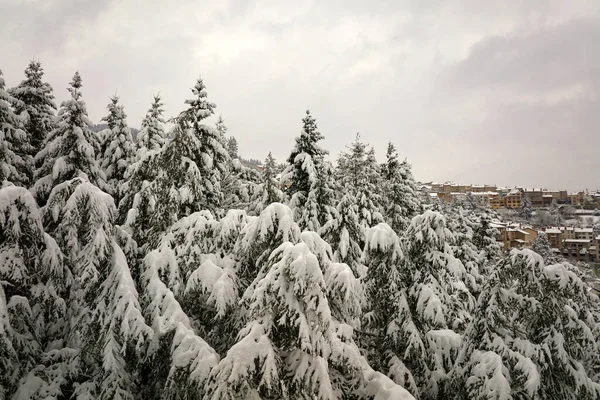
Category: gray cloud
[462,87]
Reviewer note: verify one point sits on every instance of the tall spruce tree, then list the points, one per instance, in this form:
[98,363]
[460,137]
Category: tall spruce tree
[211,156]
[152,134]
[532,335]
[306,177]
[232,147]
[400,197]
[268,190]
[358,173]
[345,235]
[14,160]
[68,151]
[33,289]
[106,331]
[526,208]
[35,103]
[119,151]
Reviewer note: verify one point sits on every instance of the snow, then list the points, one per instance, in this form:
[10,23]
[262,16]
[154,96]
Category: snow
[382,237]
[380,387]
[490,373]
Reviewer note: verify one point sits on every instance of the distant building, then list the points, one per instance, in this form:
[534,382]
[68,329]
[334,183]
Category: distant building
[577,198]
[513,199]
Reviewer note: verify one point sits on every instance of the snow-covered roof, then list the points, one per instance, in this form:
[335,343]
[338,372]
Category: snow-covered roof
[514,191]
[584,230]
[519,240]
[577,240]
[518,230]
[553,230]
[547,195]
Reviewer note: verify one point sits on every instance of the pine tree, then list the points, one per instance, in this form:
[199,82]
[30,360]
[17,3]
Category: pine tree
[525,211]
[358,173]
[306,178]
[14,162]
[530,323]
[232,147]
[210,157]
[401,198]
[107,332]
[119,152]
[289,348]
[183,177]
[388,325]
[462,225]
[152,135]
[35,103]
[419,304]
[274,226]
[33,284]
[68,151]
[268,191]
[541,246]
[485,237]
[345,234]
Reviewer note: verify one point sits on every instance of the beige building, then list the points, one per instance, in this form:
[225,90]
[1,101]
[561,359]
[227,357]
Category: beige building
[513,199]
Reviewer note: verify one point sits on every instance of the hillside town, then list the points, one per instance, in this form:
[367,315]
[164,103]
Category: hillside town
[573,234]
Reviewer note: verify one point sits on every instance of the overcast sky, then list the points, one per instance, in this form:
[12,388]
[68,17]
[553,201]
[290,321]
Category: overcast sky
[475,91]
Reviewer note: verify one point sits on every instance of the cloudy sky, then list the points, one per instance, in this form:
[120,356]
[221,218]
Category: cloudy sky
[500,92]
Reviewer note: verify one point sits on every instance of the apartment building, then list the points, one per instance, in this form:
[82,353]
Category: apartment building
[495,201]
[579,244]
[513,199]
[514,236]
[502,197]
[577,198]
[554,236]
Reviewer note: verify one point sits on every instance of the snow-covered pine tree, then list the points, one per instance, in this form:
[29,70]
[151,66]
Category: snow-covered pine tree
[302,174]
[68,151]
[541,245]
[179,361]
[289,348]
[421,303]
[202,273]
[210,157]
[152,134]
[386,312]
[35,103]
[274,226]
[485,237]
[33,284]
[232,147]
[15,162]
[462,225]
[358,172]
[119,152]
[526,208]
[401,199]
[181,178]
[532,335]
[345,235]
[107,332]
[268,190]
